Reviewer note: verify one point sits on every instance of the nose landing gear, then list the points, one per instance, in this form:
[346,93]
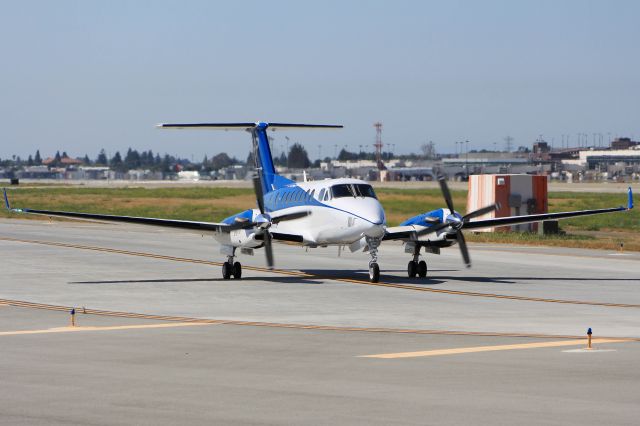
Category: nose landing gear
[374,269]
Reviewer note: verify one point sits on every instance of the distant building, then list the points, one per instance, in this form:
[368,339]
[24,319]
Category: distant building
[593,159]
[37,172]
[188,175]
[64,161]
[623,143]
[541,147]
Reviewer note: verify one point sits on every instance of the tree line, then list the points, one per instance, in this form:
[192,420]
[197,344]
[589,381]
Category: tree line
[296,158]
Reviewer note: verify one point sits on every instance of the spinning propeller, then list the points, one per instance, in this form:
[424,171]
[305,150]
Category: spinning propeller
[455,222]
[264,220]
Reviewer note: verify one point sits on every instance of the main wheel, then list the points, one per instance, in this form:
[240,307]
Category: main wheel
[412,269]
[237,270]
[374,272]
[422,269]
[226,270]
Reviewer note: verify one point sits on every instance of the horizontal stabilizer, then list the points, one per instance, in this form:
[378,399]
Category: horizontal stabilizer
[248,126]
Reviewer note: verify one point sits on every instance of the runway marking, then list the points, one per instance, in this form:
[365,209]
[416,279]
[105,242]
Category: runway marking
[456,351]
[88,311]
[318,276]
[99,328]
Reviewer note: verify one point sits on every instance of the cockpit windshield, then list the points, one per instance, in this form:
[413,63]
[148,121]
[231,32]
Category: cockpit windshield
[352,190]
[364,190]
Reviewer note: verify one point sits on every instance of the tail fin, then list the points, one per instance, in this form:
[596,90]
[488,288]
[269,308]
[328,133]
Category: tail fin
[262,153]
[630,199]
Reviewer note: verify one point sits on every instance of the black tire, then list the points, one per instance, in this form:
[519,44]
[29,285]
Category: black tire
[237,270]
[226,270]
[412,269]
[374,272]
[422,269]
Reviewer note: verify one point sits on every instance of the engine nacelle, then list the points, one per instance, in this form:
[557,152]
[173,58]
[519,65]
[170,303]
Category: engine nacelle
[244,238]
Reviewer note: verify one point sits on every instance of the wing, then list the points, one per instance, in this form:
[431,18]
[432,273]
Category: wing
[187,225]
[412,232]
[514,220]
[400,233]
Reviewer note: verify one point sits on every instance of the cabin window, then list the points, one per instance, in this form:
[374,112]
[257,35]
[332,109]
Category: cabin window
[313,193]
[321,195]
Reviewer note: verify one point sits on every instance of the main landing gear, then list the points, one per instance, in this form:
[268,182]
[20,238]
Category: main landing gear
[231,268]
[416,267]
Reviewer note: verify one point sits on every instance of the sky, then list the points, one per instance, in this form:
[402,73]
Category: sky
[78,76]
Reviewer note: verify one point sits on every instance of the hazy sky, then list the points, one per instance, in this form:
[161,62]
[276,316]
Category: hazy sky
[82,75]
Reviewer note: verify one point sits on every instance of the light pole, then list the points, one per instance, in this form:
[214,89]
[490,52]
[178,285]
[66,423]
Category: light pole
[466,159]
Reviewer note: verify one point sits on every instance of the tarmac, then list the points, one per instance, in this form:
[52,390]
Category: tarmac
[161,338]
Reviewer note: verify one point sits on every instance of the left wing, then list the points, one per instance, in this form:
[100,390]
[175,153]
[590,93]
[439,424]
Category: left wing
[188,225]
[514,220]
[413,233]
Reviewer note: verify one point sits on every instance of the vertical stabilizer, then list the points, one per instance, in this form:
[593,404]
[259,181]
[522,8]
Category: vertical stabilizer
[264,160]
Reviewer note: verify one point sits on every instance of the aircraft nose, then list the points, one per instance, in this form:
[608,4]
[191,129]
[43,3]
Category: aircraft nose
[376,218]
[375,214]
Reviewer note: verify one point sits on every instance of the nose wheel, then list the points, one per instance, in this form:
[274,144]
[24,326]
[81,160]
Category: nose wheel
[374,269]
[374,272]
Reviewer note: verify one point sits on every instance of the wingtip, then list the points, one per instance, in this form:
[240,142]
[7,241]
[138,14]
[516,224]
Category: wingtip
[6,199]
[630,199]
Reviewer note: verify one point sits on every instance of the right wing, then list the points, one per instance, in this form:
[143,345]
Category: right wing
[188,225]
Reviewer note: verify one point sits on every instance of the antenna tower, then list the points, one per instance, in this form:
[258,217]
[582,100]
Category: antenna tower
[378,145]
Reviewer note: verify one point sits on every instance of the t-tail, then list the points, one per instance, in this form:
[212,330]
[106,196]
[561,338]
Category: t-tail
[261,151]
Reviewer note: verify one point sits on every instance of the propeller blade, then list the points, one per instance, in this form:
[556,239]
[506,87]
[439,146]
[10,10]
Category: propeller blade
[257,187]
[268,249]
[480,212]
[445,193]
[463,249]
[290,216]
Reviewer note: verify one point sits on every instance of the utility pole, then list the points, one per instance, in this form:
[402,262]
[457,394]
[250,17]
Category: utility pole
[378,145]
[466,160]
[508,143]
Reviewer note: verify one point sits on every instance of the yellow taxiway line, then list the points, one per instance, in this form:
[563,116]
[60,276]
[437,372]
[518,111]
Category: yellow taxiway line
[333,278]
[474,349]
[98,328]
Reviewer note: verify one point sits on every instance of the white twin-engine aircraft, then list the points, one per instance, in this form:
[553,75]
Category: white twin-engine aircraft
[338,212]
